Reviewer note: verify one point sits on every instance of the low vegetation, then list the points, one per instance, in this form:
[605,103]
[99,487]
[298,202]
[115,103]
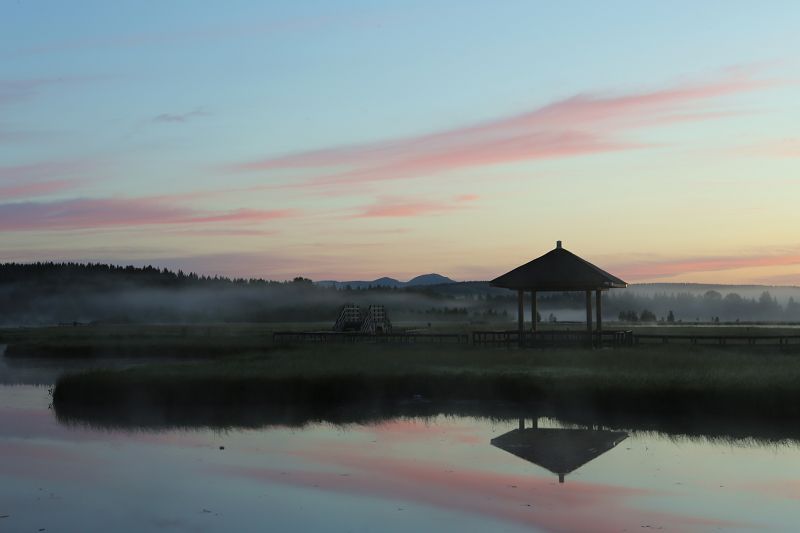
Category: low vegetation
[225,340]
[327,382]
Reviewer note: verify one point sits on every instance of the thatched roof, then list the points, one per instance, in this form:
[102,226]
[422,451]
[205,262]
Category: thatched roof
[560,451]
[558,270]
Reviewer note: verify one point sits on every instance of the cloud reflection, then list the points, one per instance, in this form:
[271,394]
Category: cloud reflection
[525,498]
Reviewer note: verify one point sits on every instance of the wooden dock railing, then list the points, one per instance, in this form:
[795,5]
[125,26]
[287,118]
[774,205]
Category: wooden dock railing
[509,338]
[551,338]
[724,340]
[293,337]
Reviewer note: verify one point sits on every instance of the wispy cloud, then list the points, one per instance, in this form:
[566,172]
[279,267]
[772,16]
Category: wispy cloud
[19,90]
[45,170]
[643,270]
[15,90]
[97,213]
[181,117]
[225,232]
[404,207]
[40,188]
[13,135]
[44,178]
[580,125]
[780,148]
[792,279]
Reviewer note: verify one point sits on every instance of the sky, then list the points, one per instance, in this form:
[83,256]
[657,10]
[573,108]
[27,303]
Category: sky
[351,140]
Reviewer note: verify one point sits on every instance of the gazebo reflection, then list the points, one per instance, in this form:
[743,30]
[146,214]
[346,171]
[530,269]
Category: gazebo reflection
[559,450]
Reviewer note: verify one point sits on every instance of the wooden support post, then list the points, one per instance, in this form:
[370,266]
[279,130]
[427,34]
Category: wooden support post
[521,316]
[599,305]
[589,317]
[521,424]
[533,310]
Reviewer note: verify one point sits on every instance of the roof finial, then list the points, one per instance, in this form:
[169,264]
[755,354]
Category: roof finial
[558,244]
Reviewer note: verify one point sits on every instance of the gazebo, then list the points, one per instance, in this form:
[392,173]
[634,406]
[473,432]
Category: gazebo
[559,270]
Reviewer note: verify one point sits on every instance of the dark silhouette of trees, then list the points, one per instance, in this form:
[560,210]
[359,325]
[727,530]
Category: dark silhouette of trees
[647,316]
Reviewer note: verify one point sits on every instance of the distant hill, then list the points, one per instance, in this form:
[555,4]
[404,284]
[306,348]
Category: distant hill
[419,281]
[429,279]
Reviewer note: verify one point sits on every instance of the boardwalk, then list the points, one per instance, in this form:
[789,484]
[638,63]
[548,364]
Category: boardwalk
[539,339]
[724,340]
[550,338]
[325,337]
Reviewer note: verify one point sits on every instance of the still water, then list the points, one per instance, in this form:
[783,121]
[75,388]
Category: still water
[439,473]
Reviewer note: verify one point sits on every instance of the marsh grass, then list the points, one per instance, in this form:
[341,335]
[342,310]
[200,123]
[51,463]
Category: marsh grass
[194,341]
[683,387]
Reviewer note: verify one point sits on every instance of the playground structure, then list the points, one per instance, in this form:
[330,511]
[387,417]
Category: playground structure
[373,322]
[372,326]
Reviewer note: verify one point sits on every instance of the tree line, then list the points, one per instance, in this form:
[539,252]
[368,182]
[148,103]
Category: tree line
[48,292]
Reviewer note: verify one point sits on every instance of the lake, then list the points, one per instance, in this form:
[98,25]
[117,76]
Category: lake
[434,473]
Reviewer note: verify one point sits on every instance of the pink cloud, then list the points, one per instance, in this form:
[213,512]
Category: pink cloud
[46,170]
[116,212]
[216,232]
[399,207]
[581,125]
[41,188]
[783,148]
[671,267]
[44,178]
[467,197]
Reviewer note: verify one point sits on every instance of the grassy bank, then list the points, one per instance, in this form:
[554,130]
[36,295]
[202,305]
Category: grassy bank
[222,340]
[334,382]
[97,341]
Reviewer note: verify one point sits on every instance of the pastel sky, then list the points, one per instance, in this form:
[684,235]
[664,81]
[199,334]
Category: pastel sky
[351,140]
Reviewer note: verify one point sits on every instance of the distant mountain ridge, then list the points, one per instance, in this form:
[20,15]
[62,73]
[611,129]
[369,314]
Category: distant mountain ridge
[419,281]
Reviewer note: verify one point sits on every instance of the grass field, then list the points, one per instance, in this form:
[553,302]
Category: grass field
[222,340]
[208,340]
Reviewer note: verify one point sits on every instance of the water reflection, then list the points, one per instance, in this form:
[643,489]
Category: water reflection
[430,472]
[559,450]
[142,414]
